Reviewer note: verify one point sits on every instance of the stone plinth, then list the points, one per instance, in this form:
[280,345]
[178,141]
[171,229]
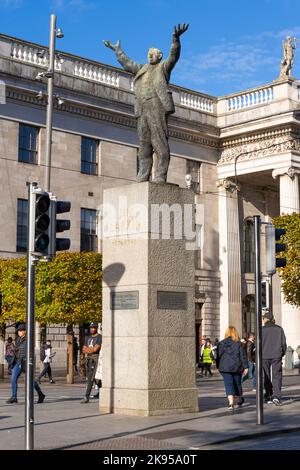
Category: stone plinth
[148,352]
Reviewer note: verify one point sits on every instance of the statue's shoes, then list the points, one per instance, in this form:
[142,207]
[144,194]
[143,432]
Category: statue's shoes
[142,180]
[159,179]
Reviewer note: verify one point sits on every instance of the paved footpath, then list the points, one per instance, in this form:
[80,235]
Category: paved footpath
[61,422]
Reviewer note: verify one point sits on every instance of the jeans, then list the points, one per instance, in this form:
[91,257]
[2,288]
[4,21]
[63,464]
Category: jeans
[16,372]
[252,373]
[46,371]
[91,368]
[9,359]
[233,383]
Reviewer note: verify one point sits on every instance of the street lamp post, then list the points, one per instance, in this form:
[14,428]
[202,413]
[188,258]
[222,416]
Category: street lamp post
[54,33]
[259,371]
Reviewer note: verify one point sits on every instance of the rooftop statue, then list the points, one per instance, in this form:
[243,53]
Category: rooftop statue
[153,104]
[288,57]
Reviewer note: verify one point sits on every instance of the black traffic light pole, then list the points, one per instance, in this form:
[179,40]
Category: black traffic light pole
[30,320]
[259,371]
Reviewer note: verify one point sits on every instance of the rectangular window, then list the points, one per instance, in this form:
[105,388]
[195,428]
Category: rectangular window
[89,160]
[28,137]
[22,212]
[88,234]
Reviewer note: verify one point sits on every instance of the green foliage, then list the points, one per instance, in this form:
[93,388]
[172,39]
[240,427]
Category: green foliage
[290,275]
[68,290]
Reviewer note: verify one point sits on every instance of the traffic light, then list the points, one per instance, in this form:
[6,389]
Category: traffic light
[59,225]
[279,247]
[39,223]
[264,302]
[272,236]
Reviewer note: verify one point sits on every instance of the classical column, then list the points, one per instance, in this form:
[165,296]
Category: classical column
[289,203]
[230,259]
[289,189]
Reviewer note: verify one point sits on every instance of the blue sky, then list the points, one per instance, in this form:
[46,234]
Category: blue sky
[230,45]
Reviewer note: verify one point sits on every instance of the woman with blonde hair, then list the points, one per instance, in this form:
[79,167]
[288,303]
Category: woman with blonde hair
[233,364]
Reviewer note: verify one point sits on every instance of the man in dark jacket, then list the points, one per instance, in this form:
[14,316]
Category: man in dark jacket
[19,364]
[273,350]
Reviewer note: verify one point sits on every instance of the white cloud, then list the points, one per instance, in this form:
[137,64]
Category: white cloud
[78,5]
[11,3]
[236,65]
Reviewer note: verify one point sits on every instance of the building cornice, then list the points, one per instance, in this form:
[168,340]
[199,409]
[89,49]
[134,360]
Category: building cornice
[260,144]
[113,117]
[289,171]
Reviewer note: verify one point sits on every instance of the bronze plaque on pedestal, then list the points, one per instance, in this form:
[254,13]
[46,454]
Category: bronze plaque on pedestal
[171,300]
[126,300]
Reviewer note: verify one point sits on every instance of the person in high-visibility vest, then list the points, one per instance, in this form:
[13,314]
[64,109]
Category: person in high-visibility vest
[207,357]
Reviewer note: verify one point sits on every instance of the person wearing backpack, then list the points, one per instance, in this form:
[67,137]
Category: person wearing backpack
[232,363]
[46,356]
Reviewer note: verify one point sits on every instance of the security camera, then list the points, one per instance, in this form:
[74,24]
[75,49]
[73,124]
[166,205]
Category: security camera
[60,101]
[40,95]
[41,54]
[40,76]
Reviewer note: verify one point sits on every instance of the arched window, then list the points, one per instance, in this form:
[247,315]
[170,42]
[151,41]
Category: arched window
[248,246]
[248,315]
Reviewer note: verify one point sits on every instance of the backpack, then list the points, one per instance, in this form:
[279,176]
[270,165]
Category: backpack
[43,352]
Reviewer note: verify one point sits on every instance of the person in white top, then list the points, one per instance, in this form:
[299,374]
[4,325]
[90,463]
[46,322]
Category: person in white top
[46,357]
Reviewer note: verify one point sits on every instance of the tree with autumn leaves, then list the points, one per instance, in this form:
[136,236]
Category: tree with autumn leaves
[290,275]
[68,291]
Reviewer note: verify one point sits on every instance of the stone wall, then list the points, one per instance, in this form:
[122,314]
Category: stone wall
[208,288]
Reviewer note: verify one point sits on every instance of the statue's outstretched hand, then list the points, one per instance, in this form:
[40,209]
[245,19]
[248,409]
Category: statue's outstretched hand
[110,45]
[179,30]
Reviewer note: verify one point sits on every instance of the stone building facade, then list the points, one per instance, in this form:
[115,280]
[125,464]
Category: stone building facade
[242,150]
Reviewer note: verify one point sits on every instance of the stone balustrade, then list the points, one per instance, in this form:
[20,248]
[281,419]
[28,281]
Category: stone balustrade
[198,102]
[101,73]
[96,73]
[29,54]
[252,98]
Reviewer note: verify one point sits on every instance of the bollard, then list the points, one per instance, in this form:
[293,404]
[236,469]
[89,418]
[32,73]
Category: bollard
[289,362]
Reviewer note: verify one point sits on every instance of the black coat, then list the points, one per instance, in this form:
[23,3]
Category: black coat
[231,356]
[273,341]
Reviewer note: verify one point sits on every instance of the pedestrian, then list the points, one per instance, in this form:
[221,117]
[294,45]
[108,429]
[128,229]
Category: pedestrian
[273,350]
[298,354]
[251,360]
[46,356]
[75,353]
[244,342]
[215,348]
[9,353]
[91,349]
[207,357]
[19,365]
[201,363]
[232,364]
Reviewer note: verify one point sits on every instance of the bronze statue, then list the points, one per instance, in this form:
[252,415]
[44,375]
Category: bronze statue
[288,57]
[153,104]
